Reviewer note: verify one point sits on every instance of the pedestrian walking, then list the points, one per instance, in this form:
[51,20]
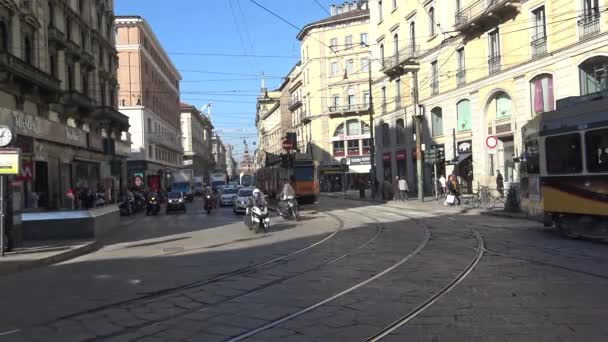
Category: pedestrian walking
[361,184]
[452,185]
[442,182]
[403,189]
[396,192]
[500,186]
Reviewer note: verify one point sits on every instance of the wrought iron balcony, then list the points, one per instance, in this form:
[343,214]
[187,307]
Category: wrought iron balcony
[347,109]
[589,26]
[27,72]
[435,87]
[295,104]
[539,46]
[483,13]
[304,117]
[494,64]
[404,60]
[461,77]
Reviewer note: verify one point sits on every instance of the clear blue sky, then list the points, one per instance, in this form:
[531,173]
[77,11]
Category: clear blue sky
[234,27]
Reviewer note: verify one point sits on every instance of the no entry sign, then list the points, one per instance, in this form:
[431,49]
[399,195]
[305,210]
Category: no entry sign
[491,142]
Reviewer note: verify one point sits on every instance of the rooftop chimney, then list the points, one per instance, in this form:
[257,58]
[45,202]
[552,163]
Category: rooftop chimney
[352,6]
[333,10]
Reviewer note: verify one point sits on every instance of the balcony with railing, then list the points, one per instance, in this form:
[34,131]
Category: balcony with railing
[304,117]
[57,37]
[294,104]
[484,13]
[494,64]
[589,26]
[461,77]
[401,62]
[348,109]
[539,46]
[27,72]
[72,98]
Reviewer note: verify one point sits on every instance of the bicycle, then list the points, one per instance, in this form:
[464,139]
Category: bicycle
[491,200]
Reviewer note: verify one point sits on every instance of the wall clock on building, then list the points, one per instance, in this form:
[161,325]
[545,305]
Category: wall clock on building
[6,136]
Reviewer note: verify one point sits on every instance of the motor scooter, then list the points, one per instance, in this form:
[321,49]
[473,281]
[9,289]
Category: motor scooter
[209,203]
[153,206]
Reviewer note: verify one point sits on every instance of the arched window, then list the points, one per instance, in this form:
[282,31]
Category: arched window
[396,47]
[594,75]
[386,137]
[382,54]
[339,130]
[541,94]
[400,131]
[437,121]
[51,8]
[503,106]
[413,36]
[353,127]
[431,21]
[463,110]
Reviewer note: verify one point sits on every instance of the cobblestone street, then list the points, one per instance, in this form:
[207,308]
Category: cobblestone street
[348,270]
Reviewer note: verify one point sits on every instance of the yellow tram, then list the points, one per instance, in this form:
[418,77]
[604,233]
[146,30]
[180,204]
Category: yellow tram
[564,168]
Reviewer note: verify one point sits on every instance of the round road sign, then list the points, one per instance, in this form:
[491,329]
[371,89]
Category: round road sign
[491,142]
[287,145]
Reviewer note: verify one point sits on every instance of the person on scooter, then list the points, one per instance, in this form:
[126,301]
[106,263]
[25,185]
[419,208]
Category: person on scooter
[256,200]
[209,197]
[287,193]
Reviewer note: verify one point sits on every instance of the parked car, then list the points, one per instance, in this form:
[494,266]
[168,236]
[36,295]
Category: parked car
[175,202]
[227,196]
[240,204]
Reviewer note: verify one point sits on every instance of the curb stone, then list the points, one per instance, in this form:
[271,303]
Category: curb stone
[18,266]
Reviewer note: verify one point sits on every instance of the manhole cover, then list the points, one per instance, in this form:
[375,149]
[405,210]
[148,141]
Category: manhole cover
[173,249]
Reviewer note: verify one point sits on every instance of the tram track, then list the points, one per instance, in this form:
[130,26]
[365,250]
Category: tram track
[251,269]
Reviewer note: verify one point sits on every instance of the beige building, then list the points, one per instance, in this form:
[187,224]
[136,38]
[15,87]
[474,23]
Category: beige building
[196,129]
[484,69]
[58,95]
[268,124]
[330,91]
[149,96]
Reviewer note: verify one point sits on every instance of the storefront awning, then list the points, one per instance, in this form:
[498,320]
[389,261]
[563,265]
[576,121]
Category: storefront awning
[461,157]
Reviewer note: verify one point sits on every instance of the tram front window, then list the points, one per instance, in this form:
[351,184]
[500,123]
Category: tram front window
[597,150]
[564,154]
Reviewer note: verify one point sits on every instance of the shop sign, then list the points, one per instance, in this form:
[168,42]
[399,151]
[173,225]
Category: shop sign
[27,173]
[329,162]
[400,155]
[95,142]
[465,146]
[37,127]
[9,161]
[351,137]
[362,160]
[386,157]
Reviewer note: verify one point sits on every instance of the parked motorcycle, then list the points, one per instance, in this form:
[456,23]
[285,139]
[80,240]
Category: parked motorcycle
[153,206]
[289,209]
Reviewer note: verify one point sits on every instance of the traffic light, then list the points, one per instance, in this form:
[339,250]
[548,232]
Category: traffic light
[440,155]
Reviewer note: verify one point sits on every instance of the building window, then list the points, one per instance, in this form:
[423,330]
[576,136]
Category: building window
[338,148]
[85,83]
[28,50]
[353,127]
[564,154]
[397,93]
[70,72]
[363,38]
[437,121]
[365,146]
[539,37]
[83,39]
[364,128]
[382,54]
[353,147]
[463,112]
[51,9]
[434,78]
[460,71]
[364,64]
[348,42]
[379,10]
[400,131]
[394,4]
[396,48]
[350,66]
[413,36]
[53,64]
[366,99]
[594,75]
[494,48]
[333,44]
[335,102]
[68,28]
[542,94]
[597,150]
[150,152]
[386,137]
[432,21]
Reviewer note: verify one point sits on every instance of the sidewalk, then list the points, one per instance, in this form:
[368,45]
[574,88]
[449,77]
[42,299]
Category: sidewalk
[43,253]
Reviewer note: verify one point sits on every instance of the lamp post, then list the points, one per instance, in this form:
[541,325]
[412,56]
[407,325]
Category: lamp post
[372,145]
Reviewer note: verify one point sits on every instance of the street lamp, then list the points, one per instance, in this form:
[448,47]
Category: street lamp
[418,116]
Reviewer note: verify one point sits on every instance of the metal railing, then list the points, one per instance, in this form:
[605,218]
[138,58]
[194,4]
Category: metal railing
[294,103]
[404,56]
[348,108]
[539,45]
[589,25]
[461,77]
[494,64]
[477,9]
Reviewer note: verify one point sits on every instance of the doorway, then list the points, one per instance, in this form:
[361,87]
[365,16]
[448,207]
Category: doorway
[41,183]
